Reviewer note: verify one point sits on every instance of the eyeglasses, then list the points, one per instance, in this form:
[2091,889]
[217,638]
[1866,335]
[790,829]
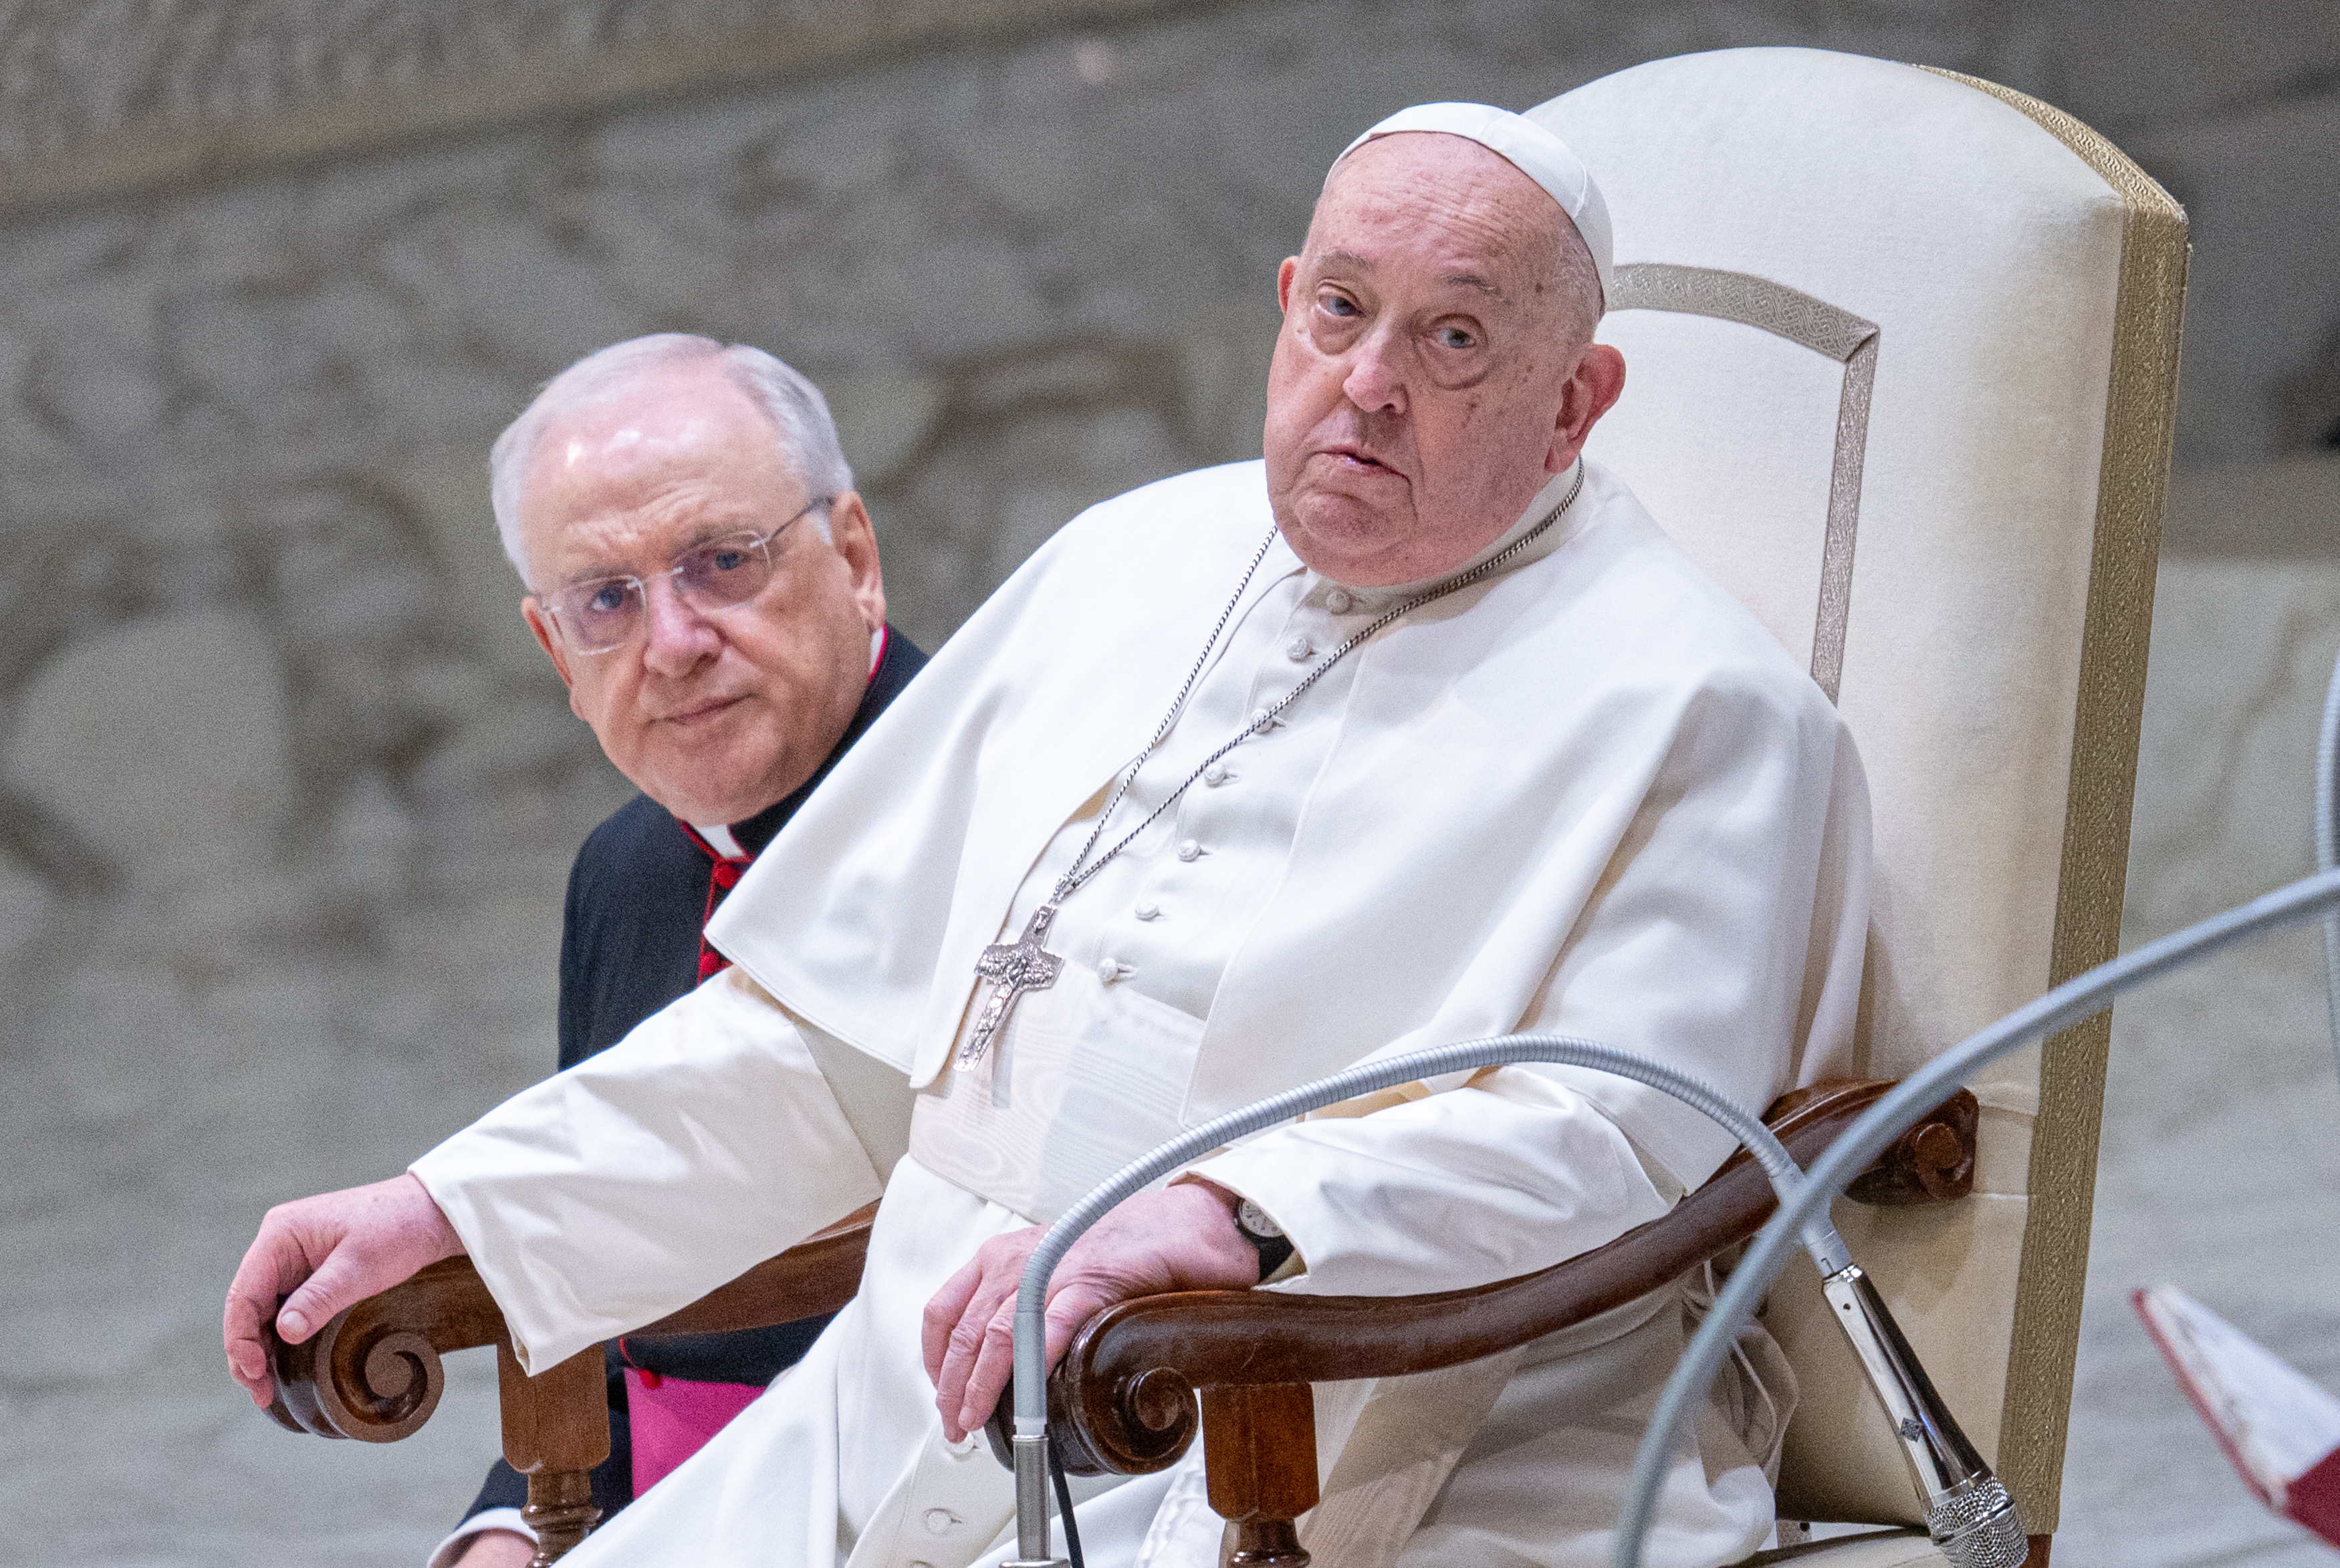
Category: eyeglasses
[602,616]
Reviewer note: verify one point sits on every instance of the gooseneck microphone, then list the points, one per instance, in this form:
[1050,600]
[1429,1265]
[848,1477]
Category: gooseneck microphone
[1969,1514]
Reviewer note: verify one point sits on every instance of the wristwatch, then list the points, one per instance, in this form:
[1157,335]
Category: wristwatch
[1266,1237]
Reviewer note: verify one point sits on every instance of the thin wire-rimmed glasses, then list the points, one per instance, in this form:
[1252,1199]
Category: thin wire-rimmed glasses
[602,615]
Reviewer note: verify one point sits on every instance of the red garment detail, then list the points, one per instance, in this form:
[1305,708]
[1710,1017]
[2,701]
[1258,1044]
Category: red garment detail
[727,872]
[671,1418]
[720,880]
[2313,1498]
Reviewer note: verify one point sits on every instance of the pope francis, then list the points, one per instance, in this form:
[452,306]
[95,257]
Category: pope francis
[1419,730]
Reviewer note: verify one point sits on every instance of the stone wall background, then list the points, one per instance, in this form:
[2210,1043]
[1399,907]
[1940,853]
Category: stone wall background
[286,795]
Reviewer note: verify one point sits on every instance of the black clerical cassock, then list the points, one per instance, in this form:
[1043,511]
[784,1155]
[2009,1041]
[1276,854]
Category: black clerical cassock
[631,941]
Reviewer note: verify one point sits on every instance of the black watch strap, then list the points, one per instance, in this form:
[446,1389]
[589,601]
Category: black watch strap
[1266,1237]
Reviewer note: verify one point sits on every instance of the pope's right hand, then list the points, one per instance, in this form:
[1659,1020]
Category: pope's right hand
[321,1253]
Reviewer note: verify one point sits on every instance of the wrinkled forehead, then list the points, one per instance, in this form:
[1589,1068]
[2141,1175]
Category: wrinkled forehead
[1438,198]
[1429,169]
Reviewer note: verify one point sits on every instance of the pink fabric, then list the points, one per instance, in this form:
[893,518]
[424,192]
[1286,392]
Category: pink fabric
[671,1420]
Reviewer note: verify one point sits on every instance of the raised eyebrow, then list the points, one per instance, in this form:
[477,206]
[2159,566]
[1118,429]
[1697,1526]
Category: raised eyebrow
[1347,260]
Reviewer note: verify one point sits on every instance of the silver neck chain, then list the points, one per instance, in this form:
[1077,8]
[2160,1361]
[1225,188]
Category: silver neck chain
[1081,870]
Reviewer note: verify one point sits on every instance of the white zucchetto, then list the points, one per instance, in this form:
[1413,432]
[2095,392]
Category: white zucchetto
[1527,147]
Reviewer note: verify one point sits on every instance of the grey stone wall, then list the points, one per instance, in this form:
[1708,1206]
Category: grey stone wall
[286,795]
[1032,270]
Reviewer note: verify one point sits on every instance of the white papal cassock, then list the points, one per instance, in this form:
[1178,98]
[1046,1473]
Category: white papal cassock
[1586,794]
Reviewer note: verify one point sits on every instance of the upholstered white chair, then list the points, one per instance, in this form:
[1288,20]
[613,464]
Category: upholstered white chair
[1902,362]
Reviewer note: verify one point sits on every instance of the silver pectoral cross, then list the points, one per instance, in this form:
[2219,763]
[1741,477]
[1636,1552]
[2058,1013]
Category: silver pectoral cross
[1013,969]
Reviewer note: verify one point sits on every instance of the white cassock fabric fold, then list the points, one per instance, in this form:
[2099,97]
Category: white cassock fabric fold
[1588,794]
[702,1095]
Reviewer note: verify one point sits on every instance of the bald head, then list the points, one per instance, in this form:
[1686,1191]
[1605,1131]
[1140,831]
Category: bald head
[1435,365]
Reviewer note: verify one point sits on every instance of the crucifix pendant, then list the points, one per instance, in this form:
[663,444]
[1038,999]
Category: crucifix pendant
[1013,969]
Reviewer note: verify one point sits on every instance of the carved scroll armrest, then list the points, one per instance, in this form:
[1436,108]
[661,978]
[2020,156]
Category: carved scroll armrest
[1123,1399]
[374,1373]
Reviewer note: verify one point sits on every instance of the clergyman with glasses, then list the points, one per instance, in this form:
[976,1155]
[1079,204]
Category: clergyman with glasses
[706,580]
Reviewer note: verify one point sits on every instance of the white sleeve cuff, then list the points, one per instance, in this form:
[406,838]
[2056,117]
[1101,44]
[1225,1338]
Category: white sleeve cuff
[479,1523]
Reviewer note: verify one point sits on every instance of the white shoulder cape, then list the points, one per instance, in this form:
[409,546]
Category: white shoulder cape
[1592,794]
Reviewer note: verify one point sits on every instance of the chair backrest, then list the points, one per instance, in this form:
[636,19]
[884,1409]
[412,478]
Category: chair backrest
[1902,363]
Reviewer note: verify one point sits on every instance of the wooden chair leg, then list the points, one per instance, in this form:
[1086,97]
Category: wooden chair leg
[1259,1462]
[556,1429]
[2038,1557]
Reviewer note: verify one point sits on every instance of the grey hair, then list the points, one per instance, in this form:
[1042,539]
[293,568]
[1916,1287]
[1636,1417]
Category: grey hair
[799,415]
[1583,301]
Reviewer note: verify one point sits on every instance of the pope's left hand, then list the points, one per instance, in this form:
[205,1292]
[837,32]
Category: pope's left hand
[1183,1237]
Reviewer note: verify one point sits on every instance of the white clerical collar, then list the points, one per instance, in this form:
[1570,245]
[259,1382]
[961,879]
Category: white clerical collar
[718,839]
[1323,589]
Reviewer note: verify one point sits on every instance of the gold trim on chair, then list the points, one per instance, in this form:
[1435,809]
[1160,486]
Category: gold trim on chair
[2140,410]
[1824,329]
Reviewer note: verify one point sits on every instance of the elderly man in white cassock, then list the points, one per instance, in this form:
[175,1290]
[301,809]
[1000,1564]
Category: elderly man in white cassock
[1435,737]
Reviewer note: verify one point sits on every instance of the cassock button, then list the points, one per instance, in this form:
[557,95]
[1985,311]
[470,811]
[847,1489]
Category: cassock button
[941,1521]
[1261,722]
[1299,649]
[1215,774]
[1189,849]
[1149,910]
[1339,601]
[1109,972]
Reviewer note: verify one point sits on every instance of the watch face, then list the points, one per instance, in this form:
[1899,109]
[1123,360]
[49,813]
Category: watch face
[1252,1217]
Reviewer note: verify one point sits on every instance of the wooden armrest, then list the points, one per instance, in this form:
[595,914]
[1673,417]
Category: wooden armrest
[374,1372]
[1123,1399]
[817,1275]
